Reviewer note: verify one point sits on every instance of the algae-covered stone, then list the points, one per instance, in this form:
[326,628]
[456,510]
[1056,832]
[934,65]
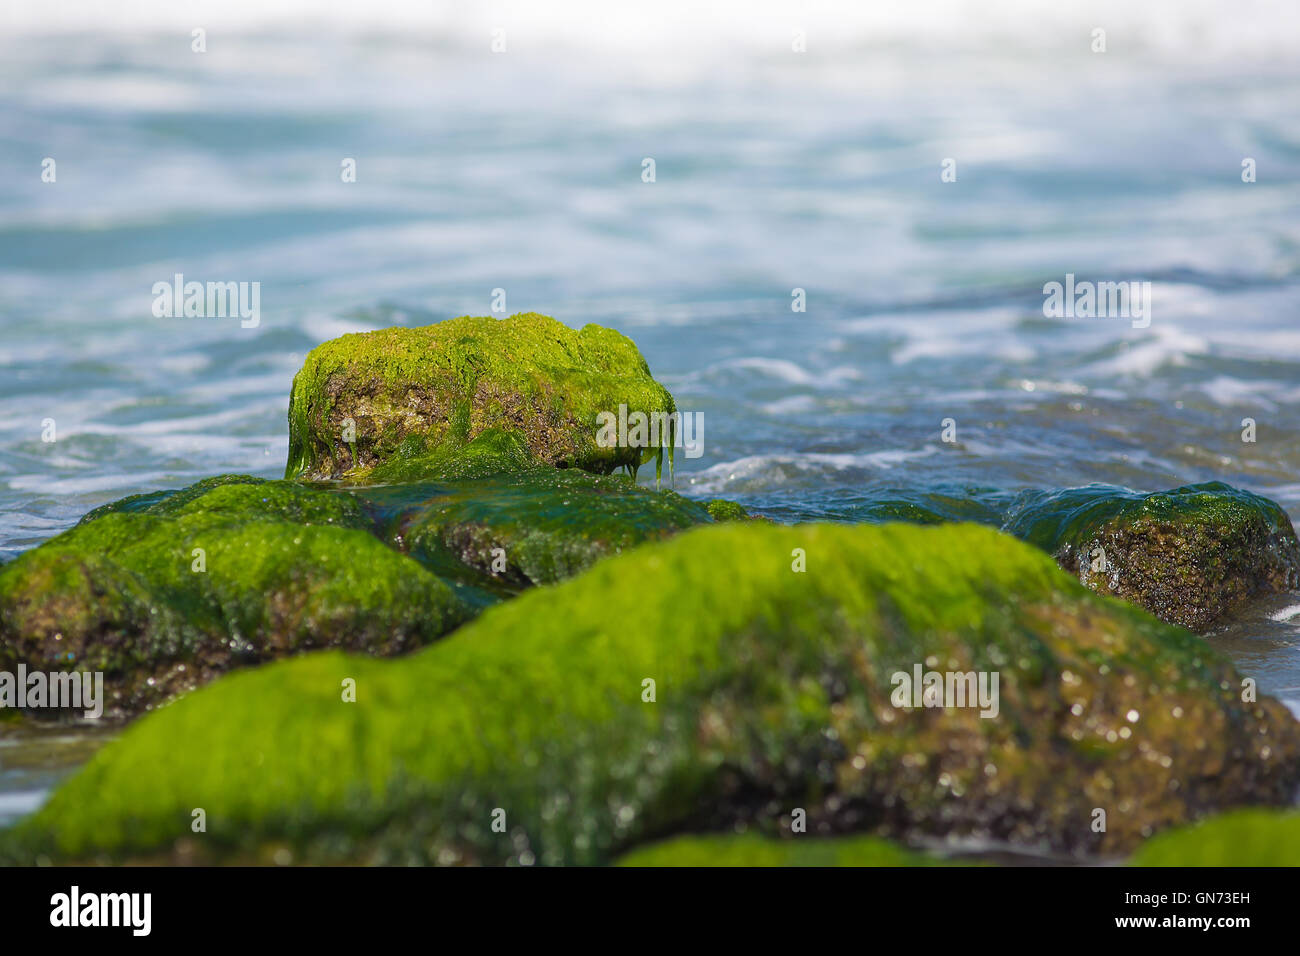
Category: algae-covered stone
[931,504]
[275,499]
[407,394]
[163,591]
[1187,555]
[1239,838]
[700,684]
[720,509]
[494,451]
[751,849]
[542,525]
[491,518]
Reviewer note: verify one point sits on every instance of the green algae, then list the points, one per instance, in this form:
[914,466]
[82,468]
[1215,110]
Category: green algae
[162,592]
[178,500]
[408,392]
[1053,520]
[753,850]
[539,526]
[720,509]
[1239,838]
[1188,555]
[493,451]
[771,692]
[942,504]
[488,508]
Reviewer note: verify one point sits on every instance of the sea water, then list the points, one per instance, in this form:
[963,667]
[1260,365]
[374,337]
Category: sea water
[841,259]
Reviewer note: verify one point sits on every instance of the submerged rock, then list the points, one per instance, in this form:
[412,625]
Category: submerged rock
[753,850]
[540,526]
[495,521]
[1188,555]
[493,451]
[416,395]
[164,591]
[720,509]
[702,684]
[1239,838]
[933,504]
[491,518]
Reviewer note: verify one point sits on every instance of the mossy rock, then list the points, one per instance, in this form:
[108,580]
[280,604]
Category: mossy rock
[274,500]
[494,520]
[751,849]
[413,393]
[494,451]
[539,526]
[720,509]
[1239,838]
[279,569]
[934,504]
[772,691]
[1188,555]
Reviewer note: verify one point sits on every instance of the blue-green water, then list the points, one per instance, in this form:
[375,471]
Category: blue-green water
[774,172]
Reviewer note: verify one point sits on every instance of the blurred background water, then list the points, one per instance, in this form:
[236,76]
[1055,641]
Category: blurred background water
[775,170]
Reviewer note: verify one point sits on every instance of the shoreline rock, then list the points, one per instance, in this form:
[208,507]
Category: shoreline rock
[287,568]
[462,468]
[542,526]
[415,395]
[772,691]
[164,591]
[1189,555]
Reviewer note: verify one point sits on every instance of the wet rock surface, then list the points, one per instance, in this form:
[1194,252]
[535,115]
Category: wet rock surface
[414,395]
[1189,555]
[541,526]
[772,690]
[162,592]
[722,680]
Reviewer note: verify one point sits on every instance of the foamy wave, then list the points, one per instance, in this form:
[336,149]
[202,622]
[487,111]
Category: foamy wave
[794,405]
[759,472]
[1160,346]
[949,333]
[1200,29]
[1286,613]
[782,370]
[1227,390]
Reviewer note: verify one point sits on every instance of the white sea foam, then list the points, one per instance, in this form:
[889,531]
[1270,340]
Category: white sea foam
[782,370]
[1151,349]
[769,471]
[793,405]
[1286,613]
[1205,29]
